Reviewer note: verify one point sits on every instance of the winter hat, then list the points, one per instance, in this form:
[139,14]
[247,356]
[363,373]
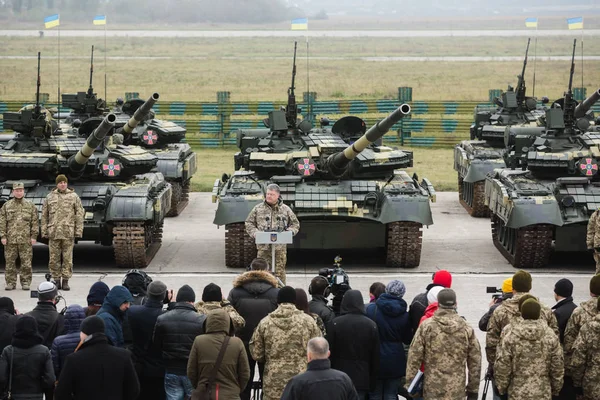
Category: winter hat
[507,286]
[447,298]
[524,298]
[287,294]
[7,304]
[92,324]
[47,291]
[97,293]
[595,285]
[26,327]
[432,294]
[521,281]
[530,309]
[186,293]
[443,277]
[61,178]
[563,288]
[157,290]
[212,292]
[395,288]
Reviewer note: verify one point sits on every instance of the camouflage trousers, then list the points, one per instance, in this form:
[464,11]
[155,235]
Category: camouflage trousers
[597,259]
[58,248]
[280,261]
[24,252]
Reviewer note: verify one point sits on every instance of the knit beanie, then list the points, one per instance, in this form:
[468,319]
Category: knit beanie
[530,309]
[7,304]
[212,292]
[432,294]
[61,178]
[287,294]
[563,288]
[507,286]
[447,298]
[521,282]
[157,290]
[395,288]
[186,293]
[97,294]
[443,277]
[92,324]
[595,285]
[524,298]
[26,327]
[47,291]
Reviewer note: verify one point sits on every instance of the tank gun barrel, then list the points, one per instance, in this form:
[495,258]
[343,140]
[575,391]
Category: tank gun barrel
[139,115]
[338,162]
[585,105]
[78,161]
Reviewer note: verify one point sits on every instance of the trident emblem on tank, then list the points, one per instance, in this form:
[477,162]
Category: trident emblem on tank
[589,168]
[150,138]
[306,167]
[111,167]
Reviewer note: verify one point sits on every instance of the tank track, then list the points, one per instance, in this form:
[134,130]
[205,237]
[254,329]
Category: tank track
[527,247]
[135,243]
[240,248]
[180,197]
[404,242]
[472,198]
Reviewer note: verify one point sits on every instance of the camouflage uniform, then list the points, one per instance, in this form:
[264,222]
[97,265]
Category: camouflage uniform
[279,217]
[529,364]
[583,314]
[205,308]
[593,237]
[508,312]
[18,225]
[446,345]
[585,362]
[62,221]
[279,341]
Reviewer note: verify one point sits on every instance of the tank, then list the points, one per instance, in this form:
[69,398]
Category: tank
[125,201]
[542,200]
[484,152]
[346,195]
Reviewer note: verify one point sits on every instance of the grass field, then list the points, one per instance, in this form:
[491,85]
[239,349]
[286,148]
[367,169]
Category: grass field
[434,164]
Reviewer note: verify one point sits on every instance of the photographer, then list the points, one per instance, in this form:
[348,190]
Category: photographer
[50,322]
[319,290]
[496,301]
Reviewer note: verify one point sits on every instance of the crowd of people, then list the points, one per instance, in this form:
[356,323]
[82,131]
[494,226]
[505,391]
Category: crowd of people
[141,340]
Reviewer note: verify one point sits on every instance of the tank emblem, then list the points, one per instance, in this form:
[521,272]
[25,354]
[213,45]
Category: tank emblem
[111,167]
[150,138]
[588,167]
[306,167]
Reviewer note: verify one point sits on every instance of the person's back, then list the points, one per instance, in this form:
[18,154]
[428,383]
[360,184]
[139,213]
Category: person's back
[8,321]
[66,344]
[585,363]
[112,312]
[319,290]
[50,322]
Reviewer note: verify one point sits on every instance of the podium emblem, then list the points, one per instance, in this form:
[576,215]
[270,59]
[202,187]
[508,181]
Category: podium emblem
[273,237]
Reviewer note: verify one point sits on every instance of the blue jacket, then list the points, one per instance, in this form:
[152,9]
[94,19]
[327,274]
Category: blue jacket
[66,344]
[113,316]
[393,323]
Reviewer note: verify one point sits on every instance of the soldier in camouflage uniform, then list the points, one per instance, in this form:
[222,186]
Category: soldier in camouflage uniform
[19,230]
[212,299]
[279,341]
[593,238]
[62,222]
[446,345]
[272,215]
[529,363]
[585,362]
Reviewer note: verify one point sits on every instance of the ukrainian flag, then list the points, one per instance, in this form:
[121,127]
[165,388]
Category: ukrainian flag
[51,21]
[575,23]
[531,22]
[300,24]
[100,20]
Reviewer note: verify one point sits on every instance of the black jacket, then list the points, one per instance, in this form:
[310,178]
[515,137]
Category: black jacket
[318,305]
[33,372]
[141,320]
[354,343]
[46,315]
[174,336]
[563,310]
[7,327]
[254,296]
[98,371]
[320,382]
[418,307]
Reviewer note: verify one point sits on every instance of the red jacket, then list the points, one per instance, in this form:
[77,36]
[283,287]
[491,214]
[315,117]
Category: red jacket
[429,311]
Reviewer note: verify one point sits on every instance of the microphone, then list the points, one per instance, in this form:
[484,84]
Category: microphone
[278,224]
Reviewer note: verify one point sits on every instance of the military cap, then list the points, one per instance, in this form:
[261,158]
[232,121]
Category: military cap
[531,309]
[18,185]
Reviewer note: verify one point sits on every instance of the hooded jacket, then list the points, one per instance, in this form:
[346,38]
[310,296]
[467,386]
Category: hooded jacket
[113,316]
[354,343]
[447,345]
[279,341]
[233,373]
[585,362]
[429,311]
[506,313]
[583,314]
[530,362]
[254,296]
[66,344]
[393,323]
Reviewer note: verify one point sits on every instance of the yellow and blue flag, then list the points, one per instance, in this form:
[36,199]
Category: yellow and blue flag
[531,22]
[51,21]
[100,20]
[300,24]
[575,23]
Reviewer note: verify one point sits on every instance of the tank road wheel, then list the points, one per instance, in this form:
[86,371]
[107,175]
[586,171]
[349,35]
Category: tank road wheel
[404,240]
[240,248]
[472,198]
[527,247]
[176,194]
[135,243]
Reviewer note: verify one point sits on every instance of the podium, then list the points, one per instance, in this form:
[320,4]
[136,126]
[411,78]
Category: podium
[274,238]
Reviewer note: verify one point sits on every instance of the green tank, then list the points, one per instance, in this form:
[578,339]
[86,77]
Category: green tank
[125,201]
[475,158]
[542,200]
[346,195]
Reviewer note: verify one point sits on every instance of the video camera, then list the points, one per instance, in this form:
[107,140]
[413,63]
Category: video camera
[339,283]
[497,292]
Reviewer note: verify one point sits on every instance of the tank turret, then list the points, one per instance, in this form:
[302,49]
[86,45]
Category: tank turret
[78,162]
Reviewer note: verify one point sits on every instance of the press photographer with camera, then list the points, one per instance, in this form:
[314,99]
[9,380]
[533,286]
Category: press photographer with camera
[333,281]
[502,294]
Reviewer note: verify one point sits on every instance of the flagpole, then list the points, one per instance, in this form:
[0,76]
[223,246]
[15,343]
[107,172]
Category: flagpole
[105,51]
[582,98]
[58,94]
[534,55]
[309,114]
